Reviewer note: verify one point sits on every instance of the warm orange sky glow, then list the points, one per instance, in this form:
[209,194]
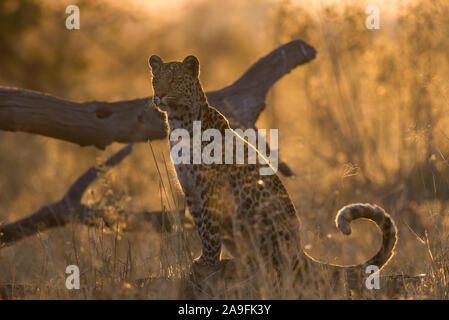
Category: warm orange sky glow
[170,8]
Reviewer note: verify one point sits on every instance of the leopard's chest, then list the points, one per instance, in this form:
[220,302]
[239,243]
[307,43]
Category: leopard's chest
[187,178]
[188,170]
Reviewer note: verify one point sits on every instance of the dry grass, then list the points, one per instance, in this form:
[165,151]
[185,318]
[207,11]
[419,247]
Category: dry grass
[364,122]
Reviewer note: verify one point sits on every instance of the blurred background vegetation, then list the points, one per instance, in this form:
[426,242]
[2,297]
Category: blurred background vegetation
[365,121]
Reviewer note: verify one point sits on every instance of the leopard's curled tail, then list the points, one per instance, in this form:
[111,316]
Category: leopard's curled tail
[382,220]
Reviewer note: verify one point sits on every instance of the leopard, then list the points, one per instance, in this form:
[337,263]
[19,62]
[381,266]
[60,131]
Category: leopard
[234,207]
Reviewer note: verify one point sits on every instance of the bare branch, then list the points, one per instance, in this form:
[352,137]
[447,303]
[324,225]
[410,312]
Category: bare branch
[244,100]
[61,212]
[78,188]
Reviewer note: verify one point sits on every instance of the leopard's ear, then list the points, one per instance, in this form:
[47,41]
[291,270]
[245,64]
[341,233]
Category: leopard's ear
[155,63]
[192,65]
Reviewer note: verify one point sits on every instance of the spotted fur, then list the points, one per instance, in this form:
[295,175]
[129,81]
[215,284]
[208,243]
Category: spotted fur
[252,215]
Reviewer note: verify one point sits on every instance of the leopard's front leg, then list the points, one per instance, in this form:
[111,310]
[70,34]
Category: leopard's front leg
[210,235]
[209,231]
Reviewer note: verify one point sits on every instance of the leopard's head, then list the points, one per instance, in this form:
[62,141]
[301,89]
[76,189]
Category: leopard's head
[176,85]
